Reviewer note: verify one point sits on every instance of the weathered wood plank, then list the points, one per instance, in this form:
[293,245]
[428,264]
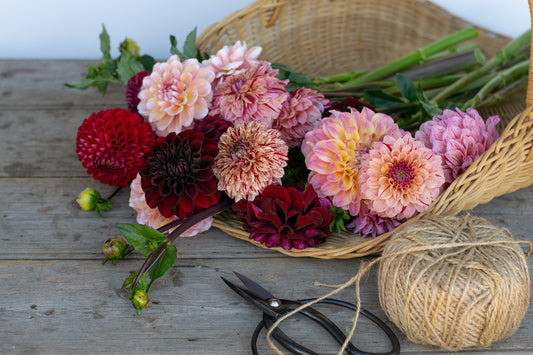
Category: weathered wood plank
[78,307]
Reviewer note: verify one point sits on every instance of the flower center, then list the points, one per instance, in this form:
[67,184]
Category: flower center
[401,174]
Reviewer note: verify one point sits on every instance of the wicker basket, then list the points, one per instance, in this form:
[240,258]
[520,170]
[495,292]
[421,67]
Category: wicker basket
[329,36]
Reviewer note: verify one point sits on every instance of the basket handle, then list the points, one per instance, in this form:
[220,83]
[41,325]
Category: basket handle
[529,97]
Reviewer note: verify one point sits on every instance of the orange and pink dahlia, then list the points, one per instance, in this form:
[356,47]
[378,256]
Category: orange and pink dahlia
[400,177]
[333,151]
[255,95]
[251,157]
[175,94]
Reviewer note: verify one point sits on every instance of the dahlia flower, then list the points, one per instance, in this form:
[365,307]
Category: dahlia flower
[255,95]
[333,150]
[286,217]
[251,157]
[368,223]
[299,114]
[345,105]
[400,177]
[153,218]
[176,174]
[111,143]
[212,127]
[174,94]
[459,138]
[132,90]
[232,60]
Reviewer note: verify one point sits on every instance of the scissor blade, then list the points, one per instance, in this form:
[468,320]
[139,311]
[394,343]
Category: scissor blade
[250,297]
[254,287]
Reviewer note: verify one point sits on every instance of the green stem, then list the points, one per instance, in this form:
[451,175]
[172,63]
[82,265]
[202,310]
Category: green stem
[335,78]
[499,59]
[415,57]
[505,92]
[454,50]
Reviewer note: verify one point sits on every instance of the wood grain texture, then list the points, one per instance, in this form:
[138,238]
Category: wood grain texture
[58,298]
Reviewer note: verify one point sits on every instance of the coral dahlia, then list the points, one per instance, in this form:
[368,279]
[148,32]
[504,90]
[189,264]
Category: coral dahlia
[251,157]
[153,218]
[176,174]
[175,93]
[299,114]
[400,177]
[333,151]
[132,90]
[286,217]
[111,143]
[459,138]
[255,95]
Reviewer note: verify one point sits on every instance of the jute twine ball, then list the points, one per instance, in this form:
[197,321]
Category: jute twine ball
[454,282]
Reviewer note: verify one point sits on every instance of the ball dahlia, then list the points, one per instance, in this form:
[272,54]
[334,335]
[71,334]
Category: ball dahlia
[251,157]
[153,218]
[459,138]
[286,217]
[111,143]
[255,95]
[368,223]
[132,90]
[333,151]
[175,93]
[400,177]
[299,114]
[176,174]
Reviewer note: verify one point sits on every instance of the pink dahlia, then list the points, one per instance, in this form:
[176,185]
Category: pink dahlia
[255,95]
[251,157]
[400,177]
[299,114]
[132,90]
[459,138]
[174,94]
[232,60]
[333,151]
[153,218]
[111,143]
[286,217]
[368,223]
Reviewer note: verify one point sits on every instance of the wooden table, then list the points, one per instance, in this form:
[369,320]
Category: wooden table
[58,298]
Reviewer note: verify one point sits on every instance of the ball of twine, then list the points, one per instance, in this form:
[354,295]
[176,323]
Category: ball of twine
[454,282]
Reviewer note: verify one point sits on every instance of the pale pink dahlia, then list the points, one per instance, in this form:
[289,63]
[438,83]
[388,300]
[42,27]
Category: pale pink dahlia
[400,177]
[333,151]
[232,60]
[251,157]
[174,94]
[300,114]
[368,223]
[255,95]
[459,138]
[153,218]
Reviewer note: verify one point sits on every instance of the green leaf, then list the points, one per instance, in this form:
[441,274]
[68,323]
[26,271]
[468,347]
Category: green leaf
[147,61]
[105,44]
[174,47]
[128,66]
[429,109]
[189,48]
[82,84]
[378,98]
[407,88]
[163,264]
[129,281]
[300,78]
[144,239]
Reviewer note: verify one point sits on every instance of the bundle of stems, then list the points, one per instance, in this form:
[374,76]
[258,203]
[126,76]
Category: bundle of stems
[446,73]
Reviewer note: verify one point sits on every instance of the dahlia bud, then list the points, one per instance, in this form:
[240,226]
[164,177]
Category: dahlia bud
[91,200]
[115,248]
[133,47]
[140,300]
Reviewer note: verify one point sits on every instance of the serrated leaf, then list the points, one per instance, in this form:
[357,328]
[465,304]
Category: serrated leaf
[105,44]
[128,66]
[189,48]
[378,98]
[142,238]
[164,263]
[129,281]
[147,61]
[406,87]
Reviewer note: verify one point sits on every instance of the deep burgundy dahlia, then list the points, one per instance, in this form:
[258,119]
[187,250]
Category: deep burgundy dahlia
[345,105]
[111,143]
[133,88]
[286,217]
[212,126]
[176,174]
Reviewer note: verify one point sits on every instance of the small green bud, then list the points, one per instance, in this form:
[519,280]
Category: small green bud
[88,198]
[115,248]
[140,299]
[133,47]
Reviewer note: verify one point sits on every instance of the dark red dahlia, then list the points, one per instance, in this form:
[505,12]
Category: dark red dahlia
[111,143]
[286,217]
[212,126]
[133,88]
[176,174]
[345,105]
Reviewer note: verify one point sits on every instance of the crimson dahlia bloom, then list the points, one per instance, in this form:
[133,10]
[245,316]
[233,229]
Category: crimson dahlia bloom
[176,174]
[132,90]
[286,217]
[111,143]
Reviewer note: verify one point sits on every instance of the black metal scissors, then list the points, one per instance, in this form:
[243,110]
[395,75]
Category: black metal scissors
[274,308]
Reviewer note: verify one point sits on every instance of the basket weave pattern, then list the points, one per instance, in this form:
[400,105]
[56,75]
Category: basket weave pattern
[331,36]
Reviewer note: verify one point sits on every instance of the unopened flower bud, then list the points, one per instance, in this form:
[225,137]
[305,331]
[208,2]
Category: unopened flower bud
[115,248]
[133,47]
[88,198]
[140,300]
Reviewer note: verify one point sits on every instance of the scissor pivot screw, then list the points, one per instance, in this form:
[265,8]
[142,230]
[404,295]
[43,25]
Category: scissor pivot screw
[274,302]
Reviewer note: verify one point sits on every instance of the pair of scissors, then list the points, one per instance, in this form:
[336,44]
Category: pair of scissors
[273,308]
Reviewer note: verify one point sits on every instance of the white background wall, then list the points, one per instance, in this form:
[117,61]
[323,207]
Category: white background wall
[70,28]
